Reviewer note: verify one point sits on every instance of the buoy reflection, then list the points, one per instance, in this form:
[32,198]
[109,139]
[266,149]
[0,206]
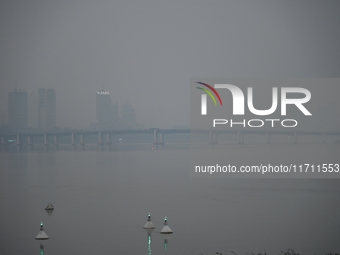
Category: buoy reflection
[149,244]
[149,241]
[165,244]
[166,241]
[49,212]
[42,249]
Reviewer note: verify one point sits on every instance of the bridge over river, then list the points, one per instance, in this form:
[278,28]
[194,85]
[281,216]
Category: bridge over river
[104,137]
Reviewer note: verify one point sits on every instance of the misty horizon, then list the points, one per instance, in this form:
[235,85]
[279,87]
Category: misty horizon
[158,139]
[146,53]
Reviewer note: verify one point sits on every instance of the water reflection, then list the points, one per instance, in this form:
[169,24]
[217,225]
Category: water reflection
[49,209]
[49,212]
[36,177]
[42,249]
[166,241]
[149,241]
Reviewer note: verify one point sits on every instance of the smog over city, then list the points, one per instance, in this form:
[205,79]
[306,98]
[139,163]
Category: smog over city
[220,118]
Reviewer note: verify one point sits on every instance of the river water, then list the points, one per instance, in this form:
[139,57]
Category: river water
[102,199]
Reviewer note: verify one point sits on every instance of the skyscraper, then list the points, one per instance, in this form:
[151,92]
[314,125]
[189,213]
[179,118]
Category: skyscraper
[17,109]
[2,119]
[50,108]
[41,108]
[128,117]
[46,108]
[107,114]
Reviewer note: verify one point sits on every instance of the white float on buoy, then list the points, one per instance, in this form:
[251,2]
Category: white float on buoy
[149,224]
[41,235]
[49,207]
[166,229]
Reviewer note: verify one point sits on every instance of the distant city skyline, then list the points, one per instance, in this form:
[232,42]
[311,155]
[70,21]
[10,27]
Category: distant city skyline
[136,147]
[108,115]
[111,116]
[124,116]
[145,53]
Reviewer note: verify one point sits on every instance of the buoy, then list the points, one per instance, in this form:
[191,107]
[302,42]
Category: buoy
[149,224]
[166,229]
[49,207]
[41,235]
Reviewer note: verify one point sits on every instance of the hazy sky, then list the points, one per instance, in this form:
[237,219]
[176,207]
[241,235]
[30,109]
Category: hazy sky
[145,52]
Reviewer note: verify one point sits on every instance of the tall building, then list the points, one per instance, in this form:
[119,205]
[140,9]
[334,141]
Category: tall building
[17,109]
[128,117]
[107,114]
[2,119]
[41,108]
[50,108]
[46,108]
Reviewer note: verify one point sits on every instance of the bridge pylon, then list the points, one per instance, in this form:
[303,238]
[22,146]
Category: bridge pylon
[158,137]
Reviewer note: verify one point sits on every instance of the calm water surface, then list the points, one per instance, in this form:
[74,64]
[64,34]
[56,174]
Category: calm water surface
[102,199]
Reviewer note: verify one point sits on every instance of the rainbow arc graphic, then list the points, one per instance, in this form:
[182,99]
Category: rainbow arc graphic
[211,92]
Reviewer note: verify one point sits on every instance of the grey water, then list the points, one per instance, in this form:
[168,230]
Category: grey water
[102,199]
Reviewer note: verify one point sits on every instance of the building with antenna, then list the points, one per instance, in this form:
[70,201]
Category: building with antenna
[106,112]
[108,117]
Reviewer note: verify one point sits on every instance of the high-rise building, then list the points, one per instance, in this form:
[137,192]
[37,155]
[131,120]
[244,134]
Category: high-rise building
[46,108]
[50,108]
[2,119]
[128,117]
[17,109]
[107,114]
[41,108]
